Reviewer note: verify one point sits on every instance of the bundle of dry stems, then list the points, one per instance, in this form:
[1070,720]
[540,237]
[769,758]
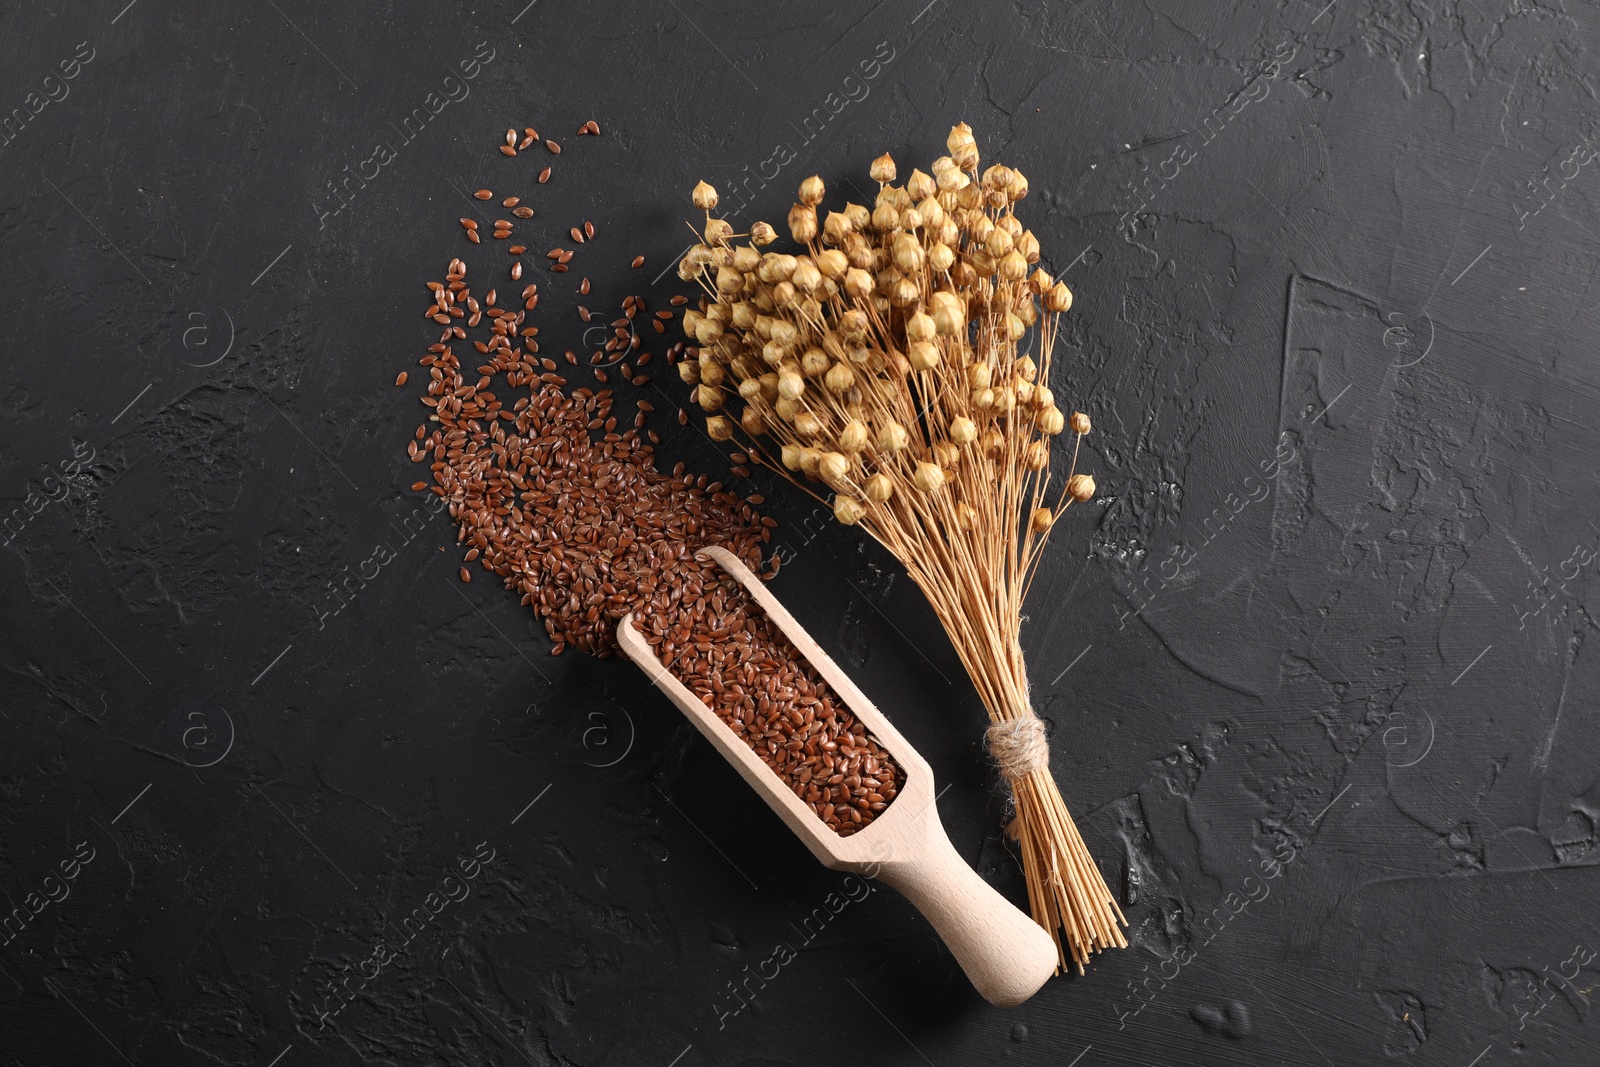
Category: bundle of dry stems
[902,359]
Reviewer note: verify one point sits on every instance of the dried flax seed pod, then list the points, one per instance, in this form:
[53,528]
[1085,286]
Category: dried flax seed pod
[803,223]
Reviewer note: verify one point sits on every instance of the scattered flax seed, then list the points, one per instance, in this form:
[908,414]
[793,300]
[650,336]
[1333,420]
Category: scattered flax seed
[400,379]
[508,150]
[638,261]
[583,287]
[511,201]
[517,250]
[516,272]
[484,194]
[530,132]
[511,137]
[576,235]
[588,230]
[466,575]
[584,529]
[679,300]
[470,224]
[523,212]
[553,147]
[472,235]
[584,313]
[544,175]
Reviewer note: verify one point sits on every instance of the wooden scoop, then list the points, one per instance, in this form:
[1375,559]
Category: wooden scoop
[1004,952]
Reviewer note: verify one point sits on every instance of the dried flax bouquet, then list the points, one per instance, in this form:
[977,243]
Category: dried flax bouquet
[902,360]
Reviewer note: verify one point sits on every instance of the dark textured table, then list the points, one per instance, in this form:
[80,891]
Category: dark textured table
[280,790]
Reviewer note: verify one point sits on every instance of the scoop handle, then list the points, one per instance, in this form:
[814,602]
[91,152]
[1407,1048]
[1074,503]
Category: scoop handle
[1006,955]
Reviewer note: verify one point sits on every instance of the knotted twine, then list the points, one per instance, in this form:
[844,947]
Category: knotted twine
[1019,746]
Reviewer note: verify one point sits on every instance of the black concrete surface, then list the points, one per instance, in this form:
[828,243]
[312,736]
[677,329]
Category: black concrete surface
[1318,662]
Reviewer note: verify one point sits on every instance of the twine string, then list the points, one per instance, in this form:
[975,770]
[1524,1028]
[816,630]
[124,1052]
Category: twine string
[1019,746]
